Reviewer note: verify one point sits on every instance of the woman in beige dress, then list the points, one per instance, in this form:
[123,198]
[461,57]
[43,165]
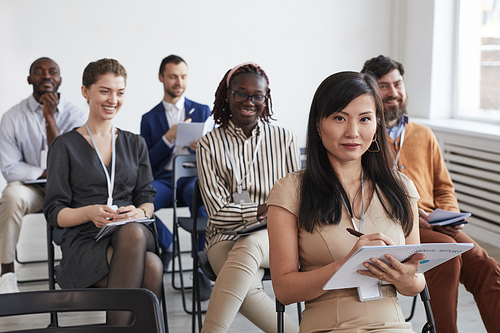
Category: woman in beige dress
[347,183]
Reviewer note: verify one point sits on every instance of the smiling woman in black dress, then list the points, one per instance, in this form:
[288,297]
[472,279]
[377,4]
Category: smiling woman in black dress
[98,174]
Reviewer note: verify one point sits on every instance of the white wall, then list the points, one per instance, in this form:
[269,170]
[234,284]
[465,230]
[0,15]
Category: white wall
[298,43]
[429,55]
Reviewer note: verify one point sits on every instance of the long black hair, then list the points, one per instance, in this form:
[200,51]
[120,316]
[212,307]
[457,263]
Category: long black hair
[321,189]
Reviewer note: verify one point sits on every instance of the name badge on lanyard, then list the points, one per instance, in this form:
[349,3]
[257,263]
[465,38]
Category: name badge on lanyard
[373,292]
[240,196]
[110,180]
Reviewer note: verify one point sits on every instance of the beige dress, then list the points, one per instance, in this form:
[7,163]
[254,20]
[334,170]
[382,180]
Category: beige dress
[340,310]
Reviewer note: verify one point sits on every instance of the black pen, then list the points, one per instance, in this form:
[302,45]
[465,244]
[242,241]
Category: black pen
[354,232]
[189,114]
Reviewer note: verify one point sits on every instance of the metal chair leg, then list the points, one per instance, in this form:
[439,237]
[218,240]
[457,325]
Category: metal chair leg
[430,326]
[412,312]
[280,310]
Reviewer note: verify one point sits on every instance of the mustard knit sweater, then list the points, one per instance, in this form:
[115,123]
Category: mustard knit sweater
[421,160]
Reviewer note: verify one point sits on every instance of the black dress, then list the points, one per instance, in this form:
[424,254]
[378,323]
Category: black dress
[75,178]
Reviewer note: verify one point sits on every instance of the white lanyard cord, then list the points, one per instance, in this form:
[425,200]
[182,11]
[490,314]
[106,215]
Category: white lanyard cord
[239,181]
[396,160]
[362,217]
[110,181]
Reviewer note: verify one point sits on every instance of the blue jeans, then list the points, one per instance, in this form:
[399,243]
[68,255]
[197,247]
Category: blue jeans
[164,198]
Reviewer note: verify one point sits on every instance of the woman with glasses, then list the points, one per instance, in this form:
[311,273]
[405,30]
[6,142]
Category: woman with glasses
[347,183]
[239,162]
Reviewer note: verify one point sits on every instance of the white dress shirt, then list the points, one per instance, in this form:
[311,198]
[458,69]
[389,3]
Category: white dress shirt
[22,139]
[175,114]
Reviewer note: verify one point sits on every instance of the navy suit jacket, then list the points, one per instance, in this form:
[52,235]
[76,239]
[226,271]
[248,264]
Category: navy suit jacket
[154,125]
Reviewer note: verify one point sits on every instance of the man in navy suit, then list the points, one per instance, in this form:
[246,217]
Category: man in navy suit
[159,129]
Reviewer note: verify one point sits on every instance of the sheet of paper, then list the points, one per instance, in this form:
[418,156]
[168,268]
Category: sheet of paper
[247,231]
[188,132]
[108,228]
[34,181]
[436,253]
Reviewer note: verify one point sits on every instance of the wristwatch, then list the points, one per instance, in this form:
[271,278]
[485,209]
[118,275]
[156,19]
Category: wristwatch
[145,212]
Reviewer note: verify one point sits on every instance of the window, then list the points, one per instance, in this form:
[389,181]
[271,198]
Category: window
[479,60]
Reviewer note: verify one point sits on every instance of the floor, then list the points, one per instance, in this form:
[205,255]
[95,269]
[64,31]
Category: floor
[33,247]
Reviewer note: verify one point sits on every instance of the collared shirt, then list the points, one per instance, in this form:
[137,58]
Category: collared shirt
[395,131]
[22,139]
[277,156]
[175,114]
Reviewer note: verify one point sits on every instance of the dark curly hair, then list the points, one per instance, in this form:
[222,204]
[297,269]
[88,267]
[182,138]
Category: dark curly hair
[221,112]
[381,65]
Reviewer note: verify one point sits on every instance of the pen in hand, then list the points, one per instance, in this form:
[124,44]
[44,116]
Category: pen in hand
[354,232]
[189,114]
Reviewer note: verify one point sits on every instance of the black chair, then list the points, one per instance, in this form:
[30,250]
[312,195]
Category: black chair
[184,166]
[280,310]
[141,302]
[28,262]
[54,237]
[201,261]
[430,325]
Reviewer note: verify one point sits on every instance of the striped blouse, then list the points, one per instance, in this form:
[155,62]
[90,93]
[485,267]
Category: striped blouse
[277,156]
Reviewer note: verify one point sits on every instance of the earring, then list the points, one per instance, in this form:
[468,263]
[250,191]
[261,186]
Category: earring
[377,146]
[318,136]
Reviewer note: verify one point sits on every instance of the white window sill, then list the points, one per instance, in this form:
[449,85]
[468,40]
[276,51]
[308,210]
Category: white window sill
[465,127]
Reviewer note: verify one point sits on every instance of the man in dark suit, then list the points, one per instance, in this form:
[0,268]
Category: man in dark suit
[159,129]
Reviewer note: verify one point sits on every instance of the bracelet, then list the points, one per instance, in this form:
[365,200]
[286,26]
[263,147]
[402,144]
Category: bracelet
[146,215]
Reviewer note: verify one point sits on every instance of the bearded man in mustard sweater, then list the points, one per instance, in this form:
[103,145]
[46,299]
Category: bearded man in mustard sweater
[417,154]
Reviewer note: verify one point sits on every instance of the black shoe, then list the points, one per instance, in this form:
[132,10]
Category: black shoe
[166,258]
[205,287]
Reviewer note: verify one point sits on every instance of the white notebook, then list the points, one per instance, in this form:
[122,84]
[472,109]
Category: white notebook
[109,228]
[437,253]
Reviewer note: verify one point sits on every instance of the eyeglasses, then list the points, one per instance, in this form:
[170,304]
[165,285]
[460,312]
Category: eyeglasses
[241,97]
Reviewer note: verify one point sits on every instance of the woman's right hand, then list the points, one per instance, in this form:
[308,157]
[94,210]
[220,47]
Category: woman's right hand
[375,239]
[100,215]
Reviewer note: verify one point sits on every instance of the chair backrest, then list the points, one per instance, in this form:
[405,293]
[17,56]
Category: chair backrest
[183,166]
[197,200]
[202,256]
[141,302]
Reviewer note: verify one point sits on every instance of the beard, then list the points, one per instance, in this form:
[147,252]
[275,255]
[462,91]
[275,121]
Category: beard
[40,91]
[395,111]
[174,94]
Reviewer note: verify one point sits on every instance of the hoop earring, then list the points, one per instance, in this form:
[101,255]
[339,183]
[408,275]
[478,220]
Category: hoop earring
[377,146]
